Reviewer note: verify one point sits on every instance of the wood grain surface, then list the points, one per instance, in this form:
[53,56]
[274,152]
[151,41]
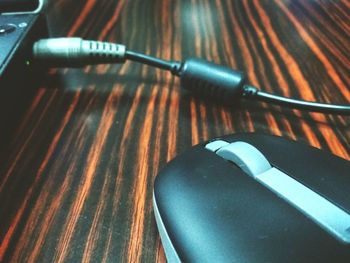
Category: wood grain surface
[76,179]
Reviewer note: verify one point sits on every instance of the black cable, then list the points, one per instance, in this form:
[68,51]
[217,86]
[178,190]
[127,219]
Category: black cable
[152,61]
[253,93]
[196,75]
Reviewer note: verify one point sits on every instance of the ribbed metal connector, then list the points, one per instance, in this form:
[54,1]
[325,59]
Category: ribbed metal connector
[76,52]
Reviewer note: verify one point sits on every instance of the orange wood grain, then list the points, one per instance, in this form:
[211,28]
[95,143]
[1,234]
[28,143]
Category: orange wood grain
[76,183]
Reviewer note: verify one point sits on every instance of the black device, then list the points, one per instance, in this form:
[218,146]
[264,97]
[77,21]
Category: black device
[21,24]
[18,75]
[20,6]
[17,35]
[254,198]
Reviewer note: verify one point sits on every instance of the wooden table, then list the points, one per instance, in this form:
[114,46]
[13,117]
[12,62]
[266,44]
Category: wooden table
[76,181]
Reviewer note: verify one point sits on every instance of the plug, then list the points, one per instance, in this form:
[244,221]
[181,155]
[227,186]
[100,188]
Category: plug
[76,52]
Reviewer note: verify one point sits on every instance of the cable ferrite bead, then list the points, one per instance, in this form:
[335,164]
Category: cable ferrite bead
[76,52]
[215,82]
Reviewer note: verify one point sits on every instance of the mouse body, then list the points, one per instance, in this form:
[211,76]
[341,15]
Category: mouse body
[254,198]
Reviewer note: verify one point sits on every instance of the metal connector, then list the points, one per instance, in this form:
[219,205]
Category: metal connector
[77,52]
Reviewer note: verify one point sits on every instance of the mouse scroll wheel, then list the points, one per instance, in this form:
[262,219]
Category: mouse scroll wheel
[243,154]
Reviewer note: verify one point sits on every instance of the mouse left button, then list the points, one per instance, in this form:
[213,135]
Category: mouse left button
[245,156]
[216,145]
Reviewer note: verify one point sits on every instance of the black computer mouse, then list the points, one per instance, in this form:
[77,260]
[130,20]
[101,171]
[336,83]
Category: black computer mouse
[254,198]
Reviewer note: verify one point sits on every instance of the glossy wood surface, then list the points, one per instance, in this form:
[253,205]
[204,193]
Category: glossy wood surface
[76,181]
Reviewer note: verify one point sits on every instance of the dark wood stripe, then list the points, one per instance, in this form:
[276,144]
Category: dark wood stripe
[19,214]
[81,19]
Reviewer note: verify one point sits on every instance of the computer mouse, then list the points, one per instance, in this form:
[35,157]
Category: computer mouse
[254,198]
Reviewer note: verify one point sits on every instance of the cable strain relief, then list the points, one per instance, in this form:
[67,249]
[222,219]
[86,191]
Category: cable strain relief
[97,52]
[249,91]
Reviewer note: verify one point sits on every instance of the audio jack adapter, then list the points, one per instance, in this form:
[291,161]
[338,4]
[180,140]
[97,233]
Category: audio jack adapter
[196,75]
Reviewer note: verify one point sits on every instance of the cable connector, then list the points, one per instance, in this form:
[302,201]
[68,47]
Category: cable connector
[76,52]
